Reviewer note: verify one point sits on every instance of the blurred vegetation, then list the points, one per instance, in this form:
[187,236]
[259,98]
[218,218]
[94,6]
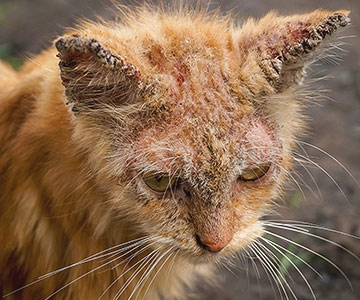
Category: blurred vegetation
[293,257]
[296,259]
[7,51]
[6,54]
[296,199]
[290,257]
[5,6]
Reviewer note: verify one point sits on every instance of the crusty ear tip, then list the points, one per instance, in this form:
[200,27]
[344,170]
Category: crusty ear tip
[60,44]
[75,43]
[342,17]
[346,22]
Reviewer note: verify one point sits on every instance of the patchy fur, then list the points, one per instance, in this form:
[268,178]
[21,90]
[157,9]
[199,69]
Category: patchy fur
[182,93]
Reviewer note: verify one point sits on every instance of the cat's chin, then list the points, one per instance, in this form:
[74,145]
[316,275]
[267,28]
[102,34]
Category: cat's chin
[206,257]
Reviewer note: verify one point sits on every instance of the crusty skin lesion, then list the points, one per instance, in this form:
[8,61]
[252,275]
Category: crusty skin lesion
[74,48]
[75,44]
[304,43]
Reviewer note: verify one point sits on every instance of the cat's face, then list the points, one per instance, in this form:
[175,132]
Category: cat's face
[201,129]
[204,176]
[205,167]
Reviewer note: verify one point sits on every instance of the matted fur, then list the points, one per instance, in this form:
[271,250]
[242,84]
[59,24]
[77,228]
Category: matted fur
[183,93]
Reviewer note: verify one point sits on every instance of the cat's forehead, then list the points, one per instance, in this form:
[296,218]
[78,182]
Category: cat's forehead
[208,118]
[202,144]
[198,90]
[201,107]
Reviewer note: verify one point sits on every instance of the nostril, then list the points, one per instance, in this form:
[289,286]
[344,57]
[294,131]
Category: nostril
[212,245]
[200,243]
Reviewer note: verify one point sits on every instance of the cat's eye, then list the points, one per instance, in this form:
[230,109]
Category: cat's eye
[254,173]
[159,182]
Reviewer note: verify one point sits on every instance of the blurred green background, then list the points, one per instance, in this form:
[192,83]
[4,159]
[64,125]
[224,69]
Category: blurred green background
[27,27]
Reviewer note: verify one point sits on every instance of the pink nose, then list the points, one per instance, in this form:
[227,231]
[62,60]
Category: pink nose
[213,245]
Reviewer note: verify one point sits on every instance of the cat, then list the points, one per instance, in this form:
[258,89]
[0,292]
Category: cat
[137,155]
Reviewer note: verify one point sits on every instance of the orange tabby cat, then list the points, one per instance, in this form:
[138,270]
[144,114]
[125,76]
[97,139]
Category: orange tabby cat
[167,135]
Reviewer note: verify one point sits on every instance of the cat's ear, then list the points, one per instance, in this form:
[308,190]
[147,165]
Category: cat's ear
[93,76]
[283,46]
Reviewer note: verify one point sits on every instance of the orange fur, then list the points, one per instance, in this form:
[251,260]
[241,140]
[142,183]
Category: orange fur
[181,93]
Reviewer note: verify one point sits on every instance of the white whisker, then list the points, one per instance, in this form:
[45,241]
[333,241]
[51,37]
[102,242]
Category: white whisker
[149,257]
[155,275]
[85,260]
[326,172]
[332,157]
[313,252]
[300,230]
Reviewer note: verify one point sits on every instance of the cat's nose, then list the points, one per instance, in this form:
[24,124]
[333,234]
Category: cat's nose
[213,245]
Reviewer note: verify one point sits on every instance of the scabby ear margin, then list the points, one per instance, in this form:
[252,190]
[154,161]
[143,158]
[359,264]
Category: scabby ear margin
[75,45]
[93,76]
[284,63]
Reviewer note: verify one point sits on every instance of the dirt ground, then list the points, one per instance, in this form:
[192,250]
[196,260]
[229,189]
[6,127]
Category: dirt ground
[26,27]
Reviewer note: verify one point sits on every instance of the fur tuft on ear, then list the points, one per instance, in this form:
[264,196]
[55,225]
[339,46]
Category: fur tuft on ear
[93,76]
[283,46]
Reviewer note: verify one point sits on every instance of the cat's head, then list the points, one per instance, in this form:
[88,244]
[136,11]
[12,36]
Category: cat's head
[190,130]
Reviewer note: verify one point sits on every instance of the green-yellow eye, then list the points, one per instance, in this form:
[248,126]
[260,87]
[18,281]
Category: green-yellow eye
[159,182]
[254,173]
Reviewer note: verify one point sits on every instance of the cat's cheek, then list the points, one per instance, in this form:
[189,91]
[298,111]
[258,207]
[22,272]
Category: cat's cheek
[245,236]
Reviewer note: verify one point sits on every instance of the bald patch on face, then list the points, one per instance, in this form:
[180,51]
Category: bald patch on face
[261,142]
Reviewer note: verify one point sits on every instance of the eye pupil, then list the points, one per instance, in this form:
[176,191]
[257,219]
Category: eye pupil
[254,173]
[159,182]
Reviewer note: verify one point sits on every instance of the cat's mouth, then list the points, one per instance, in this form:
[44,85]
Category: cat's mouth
[206,257]
[240,241]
